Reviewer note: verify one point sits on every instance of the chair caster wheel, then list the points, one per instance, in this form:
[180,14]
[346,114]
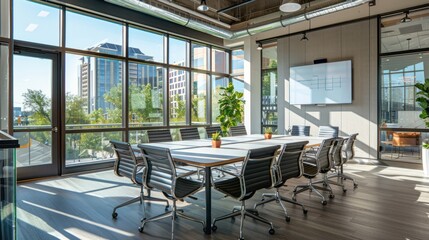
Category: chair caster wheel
[141,229]
[214,228]
[294,198]
[166,208]
[325,185]
[271,231]
[287,219]
[142,219]
[355,185]
[263,199]
[241,239]
[331,196]
[114,215]
[305,211]
[324,202]
[344,190]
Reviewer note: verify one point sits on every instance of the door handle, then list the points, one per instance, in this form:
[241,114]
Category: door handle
[55,129]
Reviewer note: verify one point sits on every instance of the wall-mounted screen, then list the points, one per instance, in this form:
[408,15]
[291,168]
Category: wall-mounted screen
[327,83]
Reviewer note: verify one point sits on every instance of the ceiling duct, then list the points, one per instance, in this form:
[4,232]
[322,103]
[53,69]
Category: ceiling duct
[228,34]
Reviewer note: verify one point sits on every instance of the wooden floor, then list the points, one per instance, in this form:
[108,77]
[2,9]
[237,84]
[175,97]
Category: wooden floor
[390,203]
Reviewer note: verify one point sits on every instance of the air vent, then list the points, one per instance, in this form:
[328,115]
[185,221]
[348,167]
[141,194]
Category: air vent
[411,29]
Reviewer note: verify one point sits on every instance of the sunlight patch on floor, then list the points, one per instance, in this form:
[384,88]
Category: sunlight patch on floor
[36,189]
[81,234]
[37,222]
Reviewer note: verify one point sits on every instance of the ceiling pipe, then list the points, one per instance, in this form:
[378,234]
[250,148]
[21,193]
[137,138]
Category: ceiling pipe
[228,34]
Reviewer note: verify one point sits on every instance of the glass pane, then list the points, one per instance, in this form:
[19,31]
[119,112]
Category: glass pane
[98,35]
[146,95]
[220,61]
[36,22]
[200,56]
[239,87]
[178,52]
[238,62]
[4,18]
[84,148]
[4,93]
[199,98]
[269,57]
[146,45]
[35,148]
[269,97]
[178,82]
[217,83]
[93,92]
[32,91]
[138,136]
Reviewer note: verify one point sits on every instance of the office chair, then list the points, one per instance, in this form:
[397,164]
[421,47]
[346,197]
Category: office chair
[212,129]
[336,152]
[161,174]
[328,131]
[189,133]
[288,165]
[159,135]
[238,131]
[313,166]
[300,130]
[256,174]
[128,165]
[347,153]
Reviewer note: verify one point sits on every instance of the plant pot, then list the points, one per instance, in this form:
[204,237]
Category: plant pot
[268,135]
[216,143]
[425,161]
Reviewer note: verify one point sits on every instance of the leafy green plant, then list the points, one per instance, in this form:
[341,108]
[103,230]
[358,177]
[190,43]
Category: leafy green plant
[268,130]
[423,101]
[231,108]
[216,136]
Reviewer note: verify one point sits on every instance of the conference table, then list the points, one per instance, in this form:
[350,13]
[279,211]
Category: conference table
[199,153]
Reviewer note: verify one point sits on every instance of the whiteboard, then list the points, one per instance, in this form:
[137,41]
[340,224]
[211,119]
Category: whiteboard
[327,83]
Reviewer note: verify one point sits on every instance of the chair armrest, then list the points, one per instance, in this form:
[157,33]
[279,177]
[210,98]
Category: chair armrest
[221,170]
[186,174]
[137,168]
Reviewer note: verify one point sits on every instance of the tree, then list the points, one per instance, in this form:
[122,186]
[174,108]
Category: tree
[231,107]
[75,113]
[39,105]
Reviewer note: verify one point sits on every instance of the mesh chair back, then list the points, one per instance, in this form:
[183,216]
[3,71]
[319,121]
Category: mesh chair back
[348,148]
[160,170]
[323,158]
[159,135]
[328,131]
[238,131]
[337,150]
[212,129]
[256,170]
[300,130]
[189,133]
[125,161]
[289,163]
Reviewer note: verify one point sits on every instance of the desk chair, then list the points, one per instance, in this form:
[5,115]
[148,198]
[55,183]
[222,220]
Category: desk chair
[129,165]
[300,130]
[256,174]
[189,133]
[288,165]
[238,131]
[161,174]
[212,129]
[320,163]
[347,153]
[328,131]
[159,135]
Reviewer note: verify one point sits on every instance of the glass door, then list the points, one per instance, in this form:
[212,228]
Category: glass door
[35,113]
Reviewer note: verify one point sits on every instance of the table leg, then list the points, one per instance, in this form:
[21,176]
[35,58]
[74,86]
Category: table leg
[208,173]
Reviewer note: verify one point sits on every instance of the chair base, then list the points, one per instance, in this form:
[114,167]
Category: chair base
[243,212]
[278,198]
[311,187]
[340,175]
[140,199]
[174,213]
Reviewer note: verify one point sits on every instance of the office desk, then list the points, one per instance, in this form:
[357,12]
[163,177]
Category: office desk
[233,149]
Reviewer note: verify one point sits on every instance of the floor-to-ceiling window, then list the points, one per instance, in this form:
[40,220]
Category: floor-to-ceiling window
[269,87]
[113,80]
[404,61]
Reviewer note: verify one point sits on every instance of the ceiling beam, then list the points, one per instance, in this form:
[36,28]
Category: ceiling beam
[235,6]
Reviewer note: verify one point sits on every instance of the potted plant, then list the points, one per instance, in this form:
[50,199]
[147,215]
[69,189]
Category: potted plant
[216,141]
[268,133]
[231,108]
[423,100]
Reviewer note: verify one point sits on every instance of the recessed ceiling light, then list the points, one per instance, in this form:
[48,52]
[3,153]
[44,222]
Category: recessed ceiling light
[43,13]
[31,27]
[290,6]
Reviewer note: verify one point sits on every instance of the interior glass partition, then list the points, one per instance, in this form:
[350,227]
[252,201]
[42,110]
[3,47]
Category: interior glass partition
[269,87]
[4,79]
[404,61]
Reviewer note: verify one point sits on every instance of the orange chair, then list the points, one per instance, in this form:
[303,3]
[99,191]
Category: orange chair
[405,139]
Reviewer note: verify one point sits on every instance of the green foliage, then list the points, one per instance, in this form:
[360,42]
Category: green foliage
[39,105]
[423,101]
[268,130]
[216,136]
[231,108]
[75,113]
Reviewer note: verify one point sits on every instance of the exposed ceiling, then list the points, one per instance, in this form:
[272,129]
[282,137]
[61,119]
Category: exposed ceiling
[401,36]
